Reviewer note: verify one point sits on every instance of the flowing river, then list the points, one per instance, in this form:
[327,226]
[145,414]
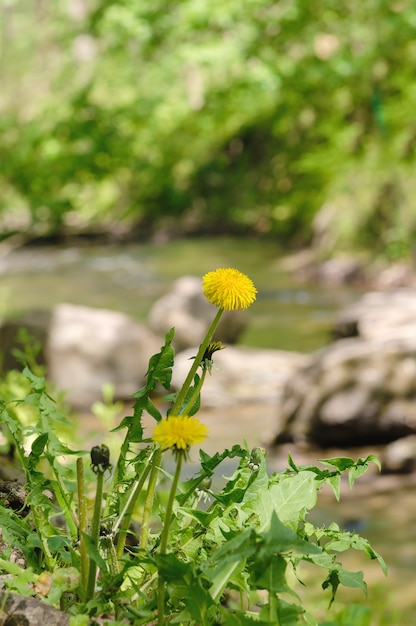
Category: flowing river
[287,315]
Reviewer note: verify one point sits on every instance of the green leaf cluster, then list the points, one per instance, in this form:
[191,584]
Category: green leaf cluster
[234,545]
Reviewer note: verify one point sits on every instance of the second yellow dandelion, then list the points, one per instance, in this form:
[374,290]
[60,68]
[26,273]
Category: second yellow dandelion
[179,432]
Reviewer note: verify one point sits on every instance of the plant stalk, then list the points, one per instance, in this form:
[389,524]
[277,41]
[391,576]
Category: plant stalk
[83,525]
[126,514]
[274,609]
[164,538]
[95,534]
[177,406]
[196,392]
[155,465]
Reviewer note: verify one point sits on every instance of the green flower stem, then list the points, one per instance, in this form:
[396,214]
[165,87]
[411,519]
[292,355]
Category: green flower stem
[164,538]
[155,465]
[126,515]
[196,392]
[83,525]
[273,609]
[95,534]
[70,517]
[177,407]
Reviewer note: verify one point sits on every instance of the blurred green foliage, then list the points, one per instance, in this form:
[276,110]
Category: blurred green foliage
[228,115]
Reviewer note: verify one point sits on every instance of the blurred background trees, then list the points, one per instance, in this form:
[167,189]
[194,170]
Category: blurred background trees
[237,116]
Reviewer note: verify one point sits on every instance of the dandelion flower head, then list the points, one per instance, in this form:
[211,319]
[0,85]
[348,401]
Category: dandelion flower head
[179,432]
[229,289]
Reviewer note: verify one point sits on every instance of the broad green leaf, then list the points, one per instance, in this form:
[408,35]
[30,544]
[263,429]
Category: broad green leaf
[170,566]
[352,579]
[198,601]
[288,614]
[270,575]
[228,559]
[290,498]
[280,538]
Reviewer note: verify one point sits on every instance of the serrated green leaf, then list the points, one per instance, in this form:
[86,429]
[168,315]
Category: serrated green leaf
[288,614]
[228,559]
[208,465]
[341,463]
[94,553]
[170,566]
[291,463]
[270,575]
[198,602]
[352,579]
[290,499]
[373,459]
[361,543]
[360,467]
[280,538]
[39,444]
[332,582]
[160,365]
[38,383]
[334,480]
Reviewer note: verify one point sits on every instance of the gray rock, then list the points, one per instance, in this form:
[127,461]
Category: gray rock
[242,375]
[19,610]
[352,392]
[186,309]
[400,456]
[379,315]
[89,347]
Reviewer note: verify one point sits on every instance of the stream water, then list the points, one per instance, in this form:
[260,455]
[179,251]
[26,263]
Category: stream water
[286,315]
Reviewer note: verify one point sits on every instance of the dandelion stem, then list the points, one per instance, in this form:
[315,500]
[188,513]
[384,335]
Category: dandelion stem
[82,525]
[95,534]
[155,465]
[196,393]
[164,537]
[274,609]
[127,513]
[177,407]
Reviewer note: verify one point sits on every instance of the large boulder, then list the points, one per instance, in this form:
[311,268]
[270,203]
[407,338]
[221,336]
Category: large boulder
[186,309]
[399,457]
[380,315]
[84,348]
[352,392]
[89,347]
[242,375]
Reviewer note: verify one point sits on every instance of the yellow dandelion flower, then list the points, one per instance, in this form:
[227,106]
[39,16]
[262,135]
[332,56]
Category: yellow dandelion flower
[179,432]
[229,289]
